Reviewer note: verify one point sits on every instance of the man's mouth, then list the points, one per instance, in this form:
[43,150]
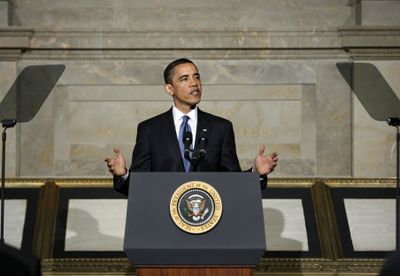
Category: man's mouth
[195,93]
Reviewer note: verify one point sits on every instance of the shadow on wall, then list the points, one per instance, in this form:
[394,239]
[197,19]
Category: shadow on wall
[275,223]
[87,235]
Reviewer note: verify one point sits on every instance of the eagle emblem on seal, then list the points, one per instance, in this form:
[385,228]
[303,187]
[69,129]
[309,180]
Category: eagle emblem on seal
[196,205]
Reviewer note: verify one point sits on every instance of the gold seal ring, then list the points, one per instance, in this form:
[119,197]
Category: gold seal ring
[196,207]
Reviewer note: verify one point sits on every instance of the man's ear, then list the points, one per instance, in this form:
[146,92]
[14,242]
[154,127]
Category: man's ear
[168,89]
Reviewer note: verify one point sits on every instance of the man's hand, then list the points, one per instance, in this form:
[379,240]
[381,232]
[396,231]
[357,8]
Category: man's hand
[116,165]
[265,164]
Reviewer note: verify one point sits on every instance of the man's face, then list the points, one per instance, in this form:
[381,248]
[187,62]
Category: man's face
[185,87]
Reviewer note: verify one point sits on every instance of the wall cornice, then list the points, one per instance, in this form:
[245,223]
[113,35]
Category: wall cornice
[128,39]
[370,37]
[213,54]
[15,37]
[361,42]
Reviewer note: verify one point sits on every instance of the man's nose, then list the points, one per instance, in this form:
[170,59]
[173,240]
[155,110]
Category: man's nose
[194,82]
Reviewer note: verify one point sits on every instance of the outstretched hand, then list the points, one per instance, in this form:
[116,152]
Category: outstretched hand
[116,166]
[265,164]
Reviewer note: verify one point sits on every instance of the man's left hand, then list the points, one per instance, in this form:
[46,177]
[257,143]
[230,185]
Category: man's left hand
[265,164]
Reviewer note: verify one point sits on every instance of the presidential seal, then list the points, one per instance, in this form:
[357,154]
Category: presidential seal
[195,207]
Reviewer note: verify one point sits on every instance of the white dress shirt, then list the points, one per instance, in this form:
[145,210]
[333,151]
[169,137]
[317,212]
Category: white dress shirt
[178,115]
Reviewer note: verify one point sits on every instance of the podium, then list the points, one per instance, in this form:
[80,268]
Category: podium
[194,223]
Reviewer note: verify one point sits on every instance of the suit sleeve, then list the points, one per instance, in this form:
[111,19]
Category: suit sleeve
[141,160]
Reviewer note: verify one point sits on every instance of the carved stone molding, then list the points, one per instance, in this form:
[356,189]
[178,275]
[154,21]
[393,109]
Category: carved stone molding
[344,37]
[15,37]
[371,43]
[360,42]
[129,39]
[367,36]
[211,54]
[374,53]
[10,54]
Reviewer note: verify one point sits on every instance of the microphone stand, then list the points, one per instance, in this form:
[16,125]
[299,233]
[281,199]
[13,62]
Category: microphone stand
[395,122]
[194,161]
[197,157]
[6,124]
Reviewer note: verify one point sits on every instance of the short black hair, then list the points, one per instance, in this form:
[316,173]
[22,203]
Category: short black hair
[169,70]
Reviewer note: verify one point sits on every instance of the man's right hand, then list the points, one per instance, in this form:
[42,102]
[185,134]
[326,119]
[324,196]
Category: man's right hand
[116,165]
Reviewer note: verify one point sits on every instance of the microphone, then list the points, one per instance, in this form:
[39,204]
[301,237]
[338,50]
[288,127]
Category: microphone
[393,121]
[202,144]
[187,141]
[200,151]
[202,147]
[7,123]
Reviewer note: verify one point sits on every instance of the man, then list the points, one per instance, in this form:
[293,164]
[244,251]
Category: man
[14,262]
[391,265]
[159,143]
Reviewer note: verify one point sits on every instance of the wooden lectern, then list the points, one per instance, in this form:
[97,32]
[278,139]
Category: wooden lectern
[159,243]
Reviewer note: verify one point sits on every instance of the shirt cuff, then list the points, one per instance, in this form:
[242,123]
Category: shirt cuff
[124,177]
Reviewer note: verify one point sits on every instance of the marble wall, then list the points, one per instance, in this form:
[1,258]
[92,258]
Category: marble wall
[268,66]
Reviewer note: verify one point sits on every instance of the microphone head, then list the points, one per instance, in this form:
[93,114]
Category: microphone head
[7,123]
[187,137]
[204,133]
[202,145]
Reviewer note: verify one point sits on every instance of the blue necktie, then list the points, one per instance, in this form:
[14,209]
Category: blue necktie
[183,128]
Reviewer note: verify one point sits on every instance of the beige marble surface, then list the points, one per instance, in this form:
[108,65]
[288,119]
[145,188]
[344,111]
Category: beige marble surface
[374,142]
[371,223]
[14,220]
[95,225]
[271,63]
[285,228]
[7,76]
[4,13]
[378,12]
[143,15]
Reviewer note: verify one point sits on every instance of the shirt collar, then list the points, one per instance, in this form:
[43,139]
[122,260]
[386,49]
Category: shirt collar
[177,114]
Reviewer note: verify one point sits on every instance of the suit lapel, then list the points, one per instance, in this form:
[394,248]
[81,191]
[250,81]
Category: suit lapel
[203,127]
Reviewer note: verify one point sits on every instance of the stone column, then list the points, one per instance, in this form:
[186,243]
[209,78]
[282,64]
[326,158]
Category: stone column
[4,13]
[378,13]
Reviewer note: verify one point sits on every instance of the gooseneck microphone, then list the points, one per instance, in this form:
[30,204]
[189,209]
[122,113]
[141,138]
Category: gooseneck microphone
[202,147]
[200,152]
[187,141]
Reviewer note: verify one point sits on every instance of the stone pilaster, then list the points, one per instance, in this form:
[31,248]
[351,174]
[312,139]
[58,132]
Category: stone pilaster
[4,13]
[379,12]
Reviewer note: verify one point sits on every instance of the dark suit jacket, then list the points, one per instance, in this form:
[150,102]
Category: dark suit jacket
[157,147]
[15,262]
